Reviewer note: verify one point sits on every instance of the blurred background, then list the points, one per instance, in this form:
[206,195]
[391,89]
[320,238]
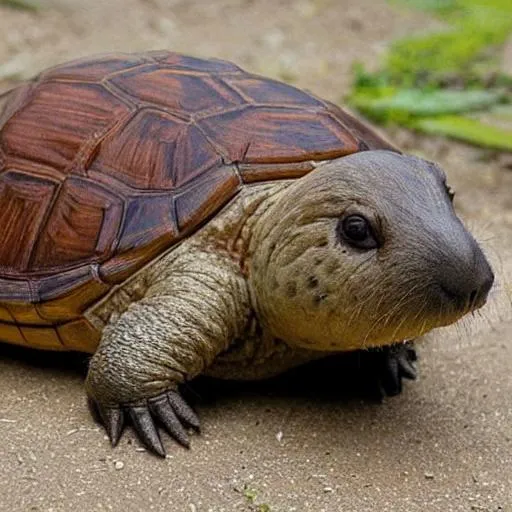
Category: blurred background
[436,66]
[435,75]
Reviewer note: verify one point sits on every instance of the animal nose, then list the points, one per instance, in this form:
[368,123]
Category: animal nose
[469,289]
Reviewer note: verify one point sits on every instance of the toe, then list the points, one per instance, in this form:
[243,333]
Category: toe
[392,380]
[183,410]
[162,409]
[113,420]
[407,368]
[146,430]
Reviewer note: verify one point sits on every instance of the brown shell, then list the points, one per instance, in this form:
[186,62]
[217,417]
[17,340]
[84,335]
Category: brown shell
[107,162]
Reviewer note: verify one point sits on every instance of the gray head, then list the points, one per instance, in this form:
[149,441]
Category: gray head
[364,251]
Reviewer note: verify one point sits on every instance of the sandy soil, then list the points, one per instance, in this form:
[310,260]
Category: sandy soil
[295,444]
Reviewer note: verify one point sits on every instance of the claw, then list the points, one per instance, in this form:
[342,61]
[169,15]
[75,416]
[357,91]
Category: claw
[113,419]
[408,370]
[411,353]
[393,381]
[161,408]
[183,410]
[168,408]
[394,364]
[145,428]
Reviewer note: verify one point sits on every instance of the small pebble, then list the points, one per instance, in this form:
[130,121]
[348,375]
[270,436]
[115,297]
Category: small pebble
[328,489]
[429,476]
[119,464]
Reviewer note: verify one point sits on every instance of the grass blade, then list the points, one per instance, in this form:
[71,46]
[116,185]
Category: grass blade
[467,130]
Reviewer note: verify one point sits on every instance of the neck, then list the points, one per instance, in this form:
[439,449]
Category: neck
[233,231]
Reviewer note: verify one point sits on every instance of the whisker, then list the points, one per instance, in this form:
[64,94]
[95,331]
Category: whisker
[399,304]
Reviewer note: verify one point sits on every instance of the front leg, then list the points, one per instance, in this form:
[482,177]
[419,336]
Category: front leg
[390,365]
[197,304]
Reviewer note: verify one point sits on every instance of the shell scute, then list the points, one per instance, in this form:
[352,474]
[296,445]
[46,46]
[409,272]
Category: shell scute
[258,134]
[85,70]
[186,62]
[59,122]
[156,151]
[24,201]
[265,91]
[191,93]
[211,193]
[147,218]
[12,334]
[81,227]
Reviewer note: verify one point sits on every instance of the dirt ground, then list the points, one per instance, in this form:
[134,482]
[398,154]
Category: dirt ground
[296,444]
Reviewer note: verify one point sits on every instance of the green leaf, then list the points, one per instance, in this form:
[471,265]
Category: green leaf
[437,6]
[428,79]
[503,112]
[27,5]
[439,57]
[468,130]
[406,103]
[456,9]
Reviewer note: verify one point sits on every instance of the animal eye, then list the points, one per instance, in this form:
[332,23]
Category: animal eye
[356,228]
[357,231]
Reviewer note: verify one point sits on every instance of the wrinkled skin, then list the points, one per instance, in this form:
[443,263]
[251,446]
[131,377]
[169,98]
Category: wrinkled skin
[365,251]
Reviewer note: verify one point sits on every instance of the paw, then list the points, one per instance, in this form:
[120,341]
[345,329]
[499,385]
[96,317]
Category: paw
[393,364]
[168,409]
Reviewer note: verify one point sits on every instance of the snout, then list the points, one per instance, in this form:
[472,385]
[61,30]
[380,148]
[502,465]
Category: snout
[466,280]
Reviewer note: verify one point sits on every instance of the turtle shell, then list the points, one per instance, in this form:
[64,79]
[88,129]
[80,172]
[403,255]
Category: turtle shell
[107,162]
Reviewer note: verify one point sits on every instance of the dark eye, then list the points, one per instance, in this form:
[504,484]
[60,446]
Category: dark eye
[357,231]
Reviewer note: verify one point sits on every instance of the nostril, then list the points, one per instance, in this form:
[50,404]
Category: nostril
[450,294]
[455,297]
[466,282]
[470,299]
[473,298]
